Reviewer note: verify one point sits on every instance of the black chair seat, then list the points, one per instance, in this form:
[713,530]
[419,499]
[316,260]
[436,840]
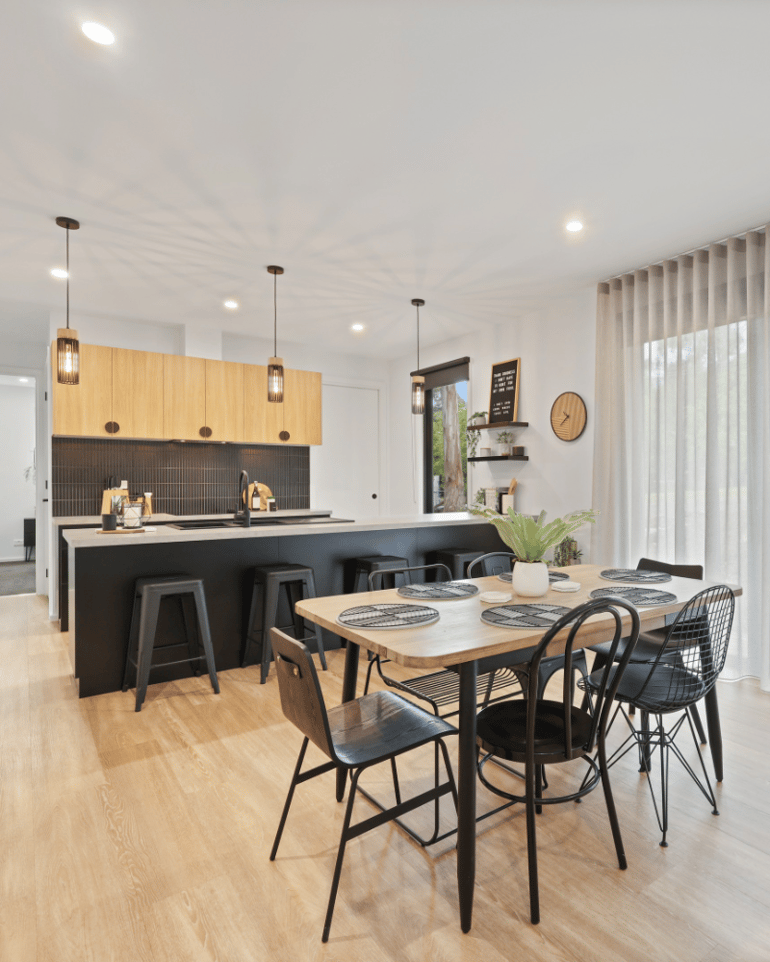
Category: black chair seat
[651,691]
[502,729]
[379,725]
[646,649]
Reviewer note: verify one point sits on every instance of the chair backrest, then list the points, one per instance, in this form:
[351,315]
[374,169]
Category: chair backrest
[689,662]
[678,571]
[611,675]
[301,699]
[494,563]
[413,575]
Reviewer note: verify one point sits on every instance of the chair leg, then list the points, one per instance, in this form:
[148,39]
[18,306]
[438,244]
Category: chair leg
[191,627]
[148,623]
[610,802]
[205,635]
[534,895]
[340,855]
[289,797]
[269,618]
[309,583]
[695,715]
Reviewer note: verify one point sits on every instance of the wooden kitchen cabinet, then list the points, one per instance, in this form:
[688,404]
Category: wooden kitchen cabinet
[224,400]
[86,408]
[137,393]
[302,406]
[299,415]
[141,394]
[184,396]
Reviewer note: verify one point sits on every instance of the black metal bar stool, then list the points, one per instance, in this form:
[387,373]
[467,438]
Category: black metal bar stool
[148,594]
[385,562]
[298,582]
[457,560]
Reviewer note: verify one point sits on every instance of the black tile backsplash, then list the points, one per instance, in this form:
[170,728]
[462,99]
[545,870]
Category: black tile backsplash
[192,478]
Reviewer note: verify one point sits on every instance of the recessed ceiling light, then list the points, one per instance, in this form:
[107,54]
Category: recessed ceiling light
[356,327]
[58,272]
[574,226]
[24,380]
[98,33]
[231,305]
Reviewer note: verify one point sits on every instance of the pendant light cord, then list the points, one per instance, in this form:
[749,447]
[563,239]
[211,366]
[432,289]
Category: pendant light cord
[68,278]
[418,336]
[275,320]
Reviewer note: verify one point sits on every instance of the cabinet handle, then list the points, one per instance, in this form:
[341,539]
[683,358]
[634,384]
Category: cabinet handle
[205,432]
[112,427]
[284,435]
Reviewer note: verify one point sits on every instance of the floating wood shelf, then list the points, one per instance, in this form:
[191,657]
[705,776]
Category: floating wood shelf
[498,424]
[502,457]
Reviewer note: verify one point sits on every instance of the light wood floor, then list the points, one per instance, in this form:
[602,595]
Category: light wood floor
[146,836]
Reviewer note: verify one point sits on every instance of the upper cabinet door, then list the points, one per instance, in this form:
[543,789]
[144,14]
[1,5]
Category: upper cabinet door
[84,409]
[184,397]
[224,400]
[262,421]
[302,407]
[137,394]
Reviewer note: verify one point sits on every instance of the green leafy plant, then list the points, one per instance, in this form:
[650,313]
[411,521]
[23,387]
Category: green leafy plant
[478,414]
[480,497]
[504,437]
[567,553]
[530,538]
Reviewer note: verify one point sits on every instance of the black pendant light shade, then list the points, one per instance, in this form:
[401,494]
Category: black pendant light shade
[67,347]
[275,364]
[418,381]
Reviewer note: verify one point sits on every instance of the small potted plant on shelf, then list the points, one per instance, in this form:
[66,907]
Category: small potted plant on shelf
[478,418]
[567,553]
[530,538]
[504,440]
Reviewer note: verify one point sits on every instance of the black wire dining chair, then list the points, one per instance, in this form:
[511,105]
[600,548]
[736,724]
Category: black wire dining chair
[684,669]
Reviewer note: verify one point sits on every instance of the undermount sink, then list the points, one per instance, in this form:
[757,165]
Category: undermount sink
[203,523]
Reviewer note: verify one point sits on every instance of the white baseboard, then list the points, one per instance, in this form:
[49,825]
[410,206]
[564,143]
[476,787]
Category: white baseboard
[18,557]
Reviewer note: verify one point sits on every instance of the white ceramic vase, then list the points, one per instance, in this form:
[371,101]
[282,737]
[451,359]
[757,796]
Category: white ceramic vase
[530,579]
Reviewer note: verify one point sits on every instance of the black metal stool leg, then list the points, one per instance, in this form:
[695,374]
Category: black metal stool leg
[148,623]
[191,627]
[132,654]
[269,618]
[205,634]
[309,590]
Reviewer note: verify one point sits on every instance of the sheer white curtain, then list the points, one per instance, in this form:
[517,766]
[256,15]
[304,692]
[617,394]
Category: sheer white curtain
[682,449]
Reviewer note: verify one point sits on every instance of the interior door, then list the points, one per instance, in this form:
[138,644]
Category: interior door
[345,469]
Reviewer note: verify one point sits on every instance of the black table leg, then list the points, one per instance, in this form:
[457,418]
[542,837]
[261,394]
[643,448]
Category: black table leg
[715,731]
[349,680]
[466,785]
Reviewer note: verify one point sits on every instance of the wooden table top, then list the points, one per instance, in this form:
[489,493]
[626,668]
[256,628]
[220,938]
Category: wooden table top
[460,635]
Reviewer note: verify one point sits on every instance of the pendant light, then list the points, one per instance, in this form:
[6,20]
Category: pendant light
[275,364]
[67,347]
[418,381]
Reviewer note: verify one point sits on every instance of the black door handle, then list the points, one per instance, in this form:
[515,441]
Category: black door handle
[374,496]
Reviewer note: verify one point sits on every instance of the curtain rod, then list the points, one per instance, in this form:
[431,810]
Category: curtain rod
[694,250]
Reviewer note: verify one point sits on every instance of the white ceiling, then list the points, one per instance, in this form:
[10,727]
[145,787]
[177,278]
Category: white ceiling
[379,151]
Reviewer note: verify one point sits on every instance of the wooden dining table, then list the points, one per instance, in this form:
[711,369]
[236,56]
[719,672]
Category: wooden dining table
[461,640]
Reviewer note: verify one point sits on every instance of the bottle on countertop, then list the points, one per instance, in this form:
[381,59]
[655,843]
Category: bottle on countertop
[255,497]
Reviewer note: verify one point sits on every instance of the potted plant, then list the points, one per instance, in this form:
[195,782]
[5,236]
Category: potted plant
[504,440]
[567,553]
[477,418]
[530,538]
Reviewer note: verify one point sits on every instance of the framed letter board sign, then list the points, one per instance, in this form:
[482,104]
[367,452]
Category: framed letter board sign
[504,391]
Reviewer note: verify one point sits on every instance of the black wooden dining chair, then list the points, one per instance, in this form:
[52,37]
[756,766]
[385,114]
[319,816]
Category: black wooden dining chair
[539,732]
[354,736]
[684,670]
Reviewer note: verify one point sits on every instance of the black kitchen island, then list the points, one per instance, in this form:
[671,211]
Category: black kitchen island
[102,570]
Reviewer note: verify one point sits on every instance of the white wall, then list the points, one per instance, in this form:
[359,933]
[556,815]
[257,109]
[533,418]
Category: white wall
[122,332]
[557,349]
[17,496]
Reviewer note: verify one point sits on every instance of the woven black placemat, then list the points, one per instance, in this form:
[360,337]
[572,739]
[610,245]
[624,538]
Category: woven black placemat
[631,576]
[441,591]
[552,576]
[639,597]
[387,616]
[523,616]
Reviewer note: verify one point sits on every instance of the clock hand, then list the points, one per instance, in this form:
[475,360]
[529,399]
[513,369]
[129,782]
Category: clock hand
[564,418]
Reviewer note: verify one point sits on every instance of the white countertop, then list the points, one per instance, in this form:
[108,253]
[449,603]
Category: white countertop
[163,534]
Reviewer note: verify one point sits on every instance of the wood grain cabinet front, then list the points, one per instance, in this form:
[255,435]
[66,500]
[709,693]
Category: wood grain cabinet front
[120,394]
[296,420]
[224,400]
[184,397]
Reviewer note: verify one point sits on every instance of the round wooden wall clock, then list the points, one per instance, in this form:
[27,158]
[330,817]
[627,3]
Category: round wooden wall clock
[568,416]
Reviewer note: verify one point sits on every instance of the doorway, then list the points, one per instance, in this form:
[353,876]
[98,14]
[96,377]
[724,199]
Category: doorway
[345,471]
[18,482]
